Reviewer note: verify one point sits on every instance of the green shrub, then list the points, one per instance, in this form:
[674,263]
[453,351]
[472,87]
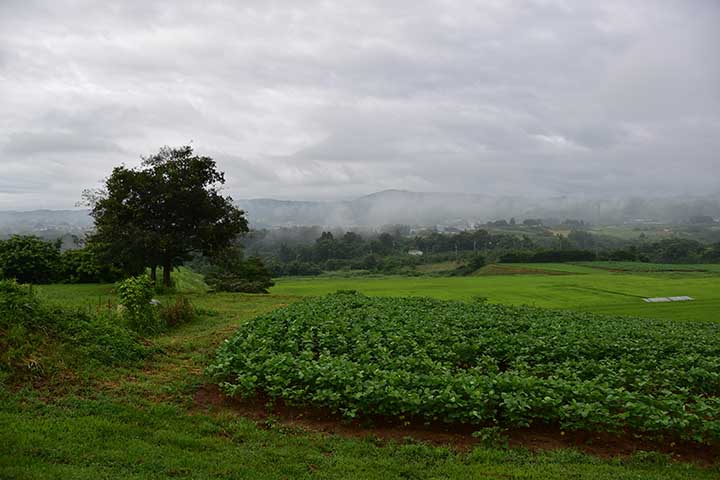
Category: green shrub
[182,311]
[136,294]
[19,310]
[475,263]
[82,266]
[230,272]
[29,259]
[35,337]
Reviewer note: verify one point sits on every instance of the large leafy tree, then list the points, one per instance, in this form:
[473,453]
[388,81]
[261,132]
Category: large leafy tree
[163,212]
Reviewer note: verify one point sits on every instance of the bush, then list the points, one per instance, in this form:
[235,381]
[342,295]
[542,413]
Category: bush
[622,256]
[231,273]
[135,295]
[297,268]
[28,259]
[182,311]
[18,311]
[82,266]
[474,264]
[334,264]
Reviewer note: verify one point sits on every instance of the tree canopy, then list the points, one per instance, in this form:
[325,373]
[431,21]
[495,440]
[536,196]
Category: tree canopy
[29,259]
[163,212]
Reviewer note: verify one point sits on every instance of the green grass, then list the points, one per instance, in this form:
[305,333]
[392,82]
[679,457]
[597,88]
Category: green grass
[104,437]
[73,295]
[142,422]
[591,289]
[187,281]
[556,267]
[652,267]
[654,233]
[89,296]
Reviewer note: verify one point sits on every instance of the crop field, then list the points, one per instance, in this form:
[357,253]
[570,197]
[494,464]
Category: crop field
[584,288]
[482,364]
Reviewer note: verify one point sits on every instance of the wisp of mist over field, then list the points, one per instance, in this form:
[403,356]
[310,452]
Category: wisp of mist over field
[528,99]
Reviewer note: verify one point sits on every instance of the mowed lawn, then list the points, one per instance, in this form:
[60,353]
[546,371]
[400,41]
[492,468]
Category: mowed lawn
[572,287]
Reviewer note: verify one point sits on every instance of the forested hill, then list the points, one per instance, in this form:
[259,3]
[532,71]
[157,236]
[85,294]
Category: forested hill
[423,208]
[34,221]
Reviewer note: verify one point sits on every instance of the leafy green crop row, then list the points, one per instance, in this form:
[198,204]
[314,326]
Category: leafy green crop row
[481,364]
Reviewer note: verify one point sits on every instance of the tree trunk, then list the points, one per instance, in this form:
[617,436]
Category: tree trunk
[167,268]
[153,273]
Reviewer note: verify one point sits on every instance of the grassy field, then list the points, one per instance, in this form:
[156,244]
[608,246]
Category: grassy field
[653,233]
[652,267]
[144,422]
[584,288]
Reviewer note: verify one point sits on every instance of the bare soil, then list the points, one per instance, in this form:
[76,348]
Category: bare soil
[458,436]
[508,270]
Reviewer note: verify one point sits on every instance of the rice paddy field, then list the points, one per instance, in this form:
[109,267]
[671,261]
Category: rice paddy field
[602,287]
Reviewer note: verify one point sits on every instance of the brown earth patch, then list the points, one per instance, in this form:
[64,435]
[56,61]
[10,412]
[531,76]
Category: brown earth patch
[457,436]
[507,270]
[659,270]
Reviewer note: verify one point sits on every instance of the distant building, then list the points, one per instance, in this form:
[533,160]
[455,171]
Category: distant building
[415,253]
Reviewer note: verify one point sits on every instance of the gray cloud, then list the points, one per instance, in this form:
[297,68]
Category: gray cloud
[338,99]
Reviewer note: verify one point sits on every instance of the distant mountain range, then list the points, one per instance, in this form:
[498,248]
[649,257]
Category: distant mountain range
[410,208]
[38,220]
[423,208]
[386,207]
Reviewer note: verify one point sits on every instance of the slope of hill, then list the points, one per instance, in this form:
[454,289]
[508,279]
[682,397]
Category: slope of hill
[45,223]
[430,208]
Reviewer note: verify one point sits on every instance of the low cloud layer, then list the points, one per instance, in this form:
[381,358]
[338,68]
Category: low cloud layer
[328,100]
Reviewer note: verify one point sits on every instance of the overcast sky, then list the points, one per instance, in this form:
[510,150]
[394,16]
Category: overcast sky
[325,100]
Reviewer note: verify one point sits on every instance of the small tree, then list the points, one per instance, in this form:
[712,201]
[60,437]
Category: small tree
[164,211]
[231,272]
[135,294]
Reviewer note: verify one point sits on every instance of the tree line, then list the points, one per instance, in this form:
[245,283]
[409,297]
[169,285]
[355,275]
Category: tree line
[170,211]
[294,254]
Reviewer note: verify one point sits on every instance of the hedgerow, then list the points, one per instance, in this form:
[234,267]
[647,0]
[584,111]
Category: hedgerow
[481,363]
